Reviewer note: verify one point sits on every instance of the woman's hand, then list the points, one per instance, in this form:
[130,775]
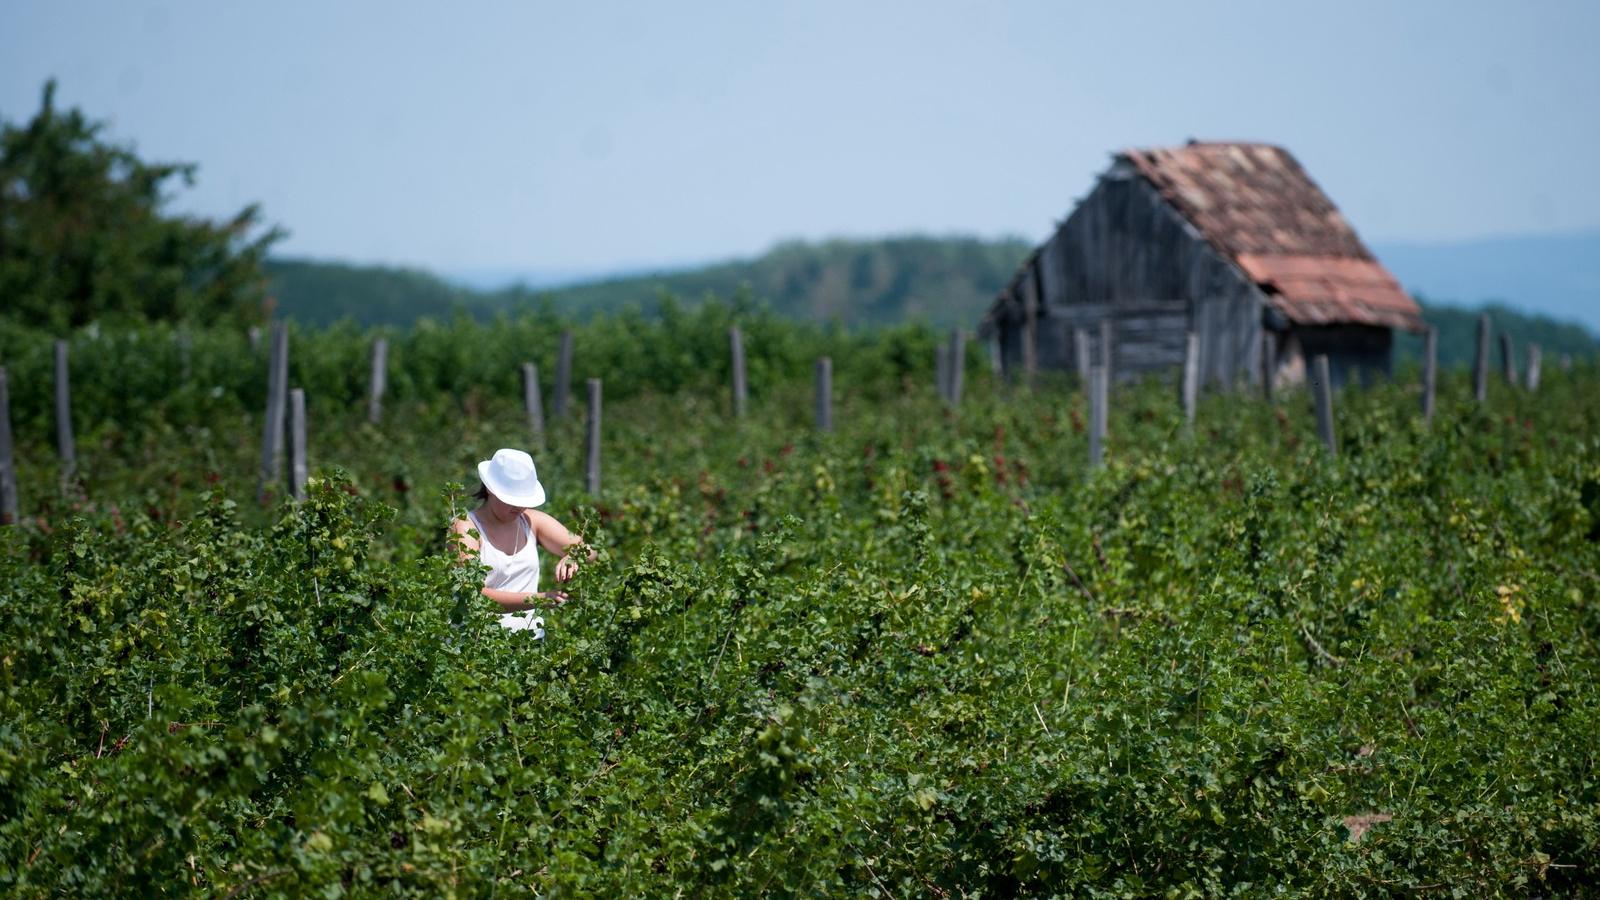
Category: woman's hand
[566,567]
[556,598]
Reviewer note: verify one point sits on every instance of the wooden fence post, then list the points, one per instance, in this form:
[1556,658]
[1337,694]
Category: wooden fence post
[740,387]
[185,344]
[1030,333]
[997,360]
[533,403]
[380,375]
[1508,359]
[1191,376]
[558,403]
[956,366]
[1099,396]
[941,370]
[277,398]
[1269,362]
[592,469]
[1080,355]
[8,459]
[1107,343]
[1535,363]
[1430,371]
[1480,364]
[1322,396]
[298,471]
[825,394]
[66,447]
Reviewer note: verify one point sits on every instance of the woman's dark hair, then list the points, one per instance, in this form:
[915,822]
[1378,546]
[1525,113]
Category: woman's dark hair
[482,493]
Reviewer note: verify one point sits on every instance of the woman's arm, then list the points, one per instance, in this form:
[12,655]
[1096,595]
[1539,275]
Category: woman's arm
[554,537]
[468,547]
[510,601]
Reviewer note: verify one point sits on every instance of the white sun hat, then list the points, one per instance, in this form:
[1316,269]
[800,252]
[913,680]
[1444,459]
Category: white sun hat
[511,477]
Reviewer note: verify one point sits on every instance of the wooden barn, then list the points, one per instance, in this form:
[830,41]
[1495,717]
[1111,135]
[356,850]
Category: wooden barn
[1233,241]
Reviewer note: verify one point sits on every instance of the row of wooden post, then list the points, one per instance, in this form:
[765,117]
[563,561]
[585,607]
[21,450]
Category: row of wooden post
[1319,380]
[1508,362]
[530,379]
[285,421]
[277,382]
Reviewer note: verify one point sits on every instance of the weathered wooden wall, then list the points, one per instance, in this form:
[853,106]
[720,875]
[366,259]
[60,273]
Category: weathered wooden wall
[1357,354]
[1127,254]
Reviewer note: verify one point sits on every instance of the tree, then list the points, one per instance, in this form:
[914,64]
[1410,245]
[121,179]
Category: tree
[84,235]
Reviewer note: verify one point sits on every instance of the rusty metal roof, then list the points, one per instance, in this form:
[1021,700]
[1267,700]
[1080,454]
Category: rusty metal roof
[1255,204]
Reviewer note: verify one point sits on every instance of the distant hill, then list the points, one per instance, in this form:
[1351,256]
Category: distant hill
[321,293]
[1556,275]
[942,281]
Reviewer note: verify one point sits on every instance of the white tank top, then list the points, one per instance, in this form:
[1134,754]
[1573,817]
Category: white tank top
[509,572]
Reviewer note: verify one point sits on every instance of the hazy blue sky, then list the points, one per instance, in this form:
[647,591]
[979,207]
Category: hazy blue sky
[586,136]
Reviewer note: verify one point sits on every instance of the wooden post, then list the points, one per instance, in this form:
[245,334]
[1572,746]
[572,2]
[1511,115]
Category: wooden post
[1430,371]
[298,472]
[736,350]
[8,458]
[1322,396]
[1106,346]
[997,360]
[277,399]
[1099,396]
[941,371]
[185,345]
[825,395]
[533,404]
[955,367]
[380,375]
[592,469]
[558,403]
[1030,333]
[1508,359]
[1535,362]
[1269,362]
[66,447]
[1480,364]
[1080,354]
[254,334]
[1191,376]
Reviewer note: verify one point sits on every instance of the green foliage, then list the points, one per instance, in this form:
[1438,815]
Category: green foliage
[83,235]
[927,654]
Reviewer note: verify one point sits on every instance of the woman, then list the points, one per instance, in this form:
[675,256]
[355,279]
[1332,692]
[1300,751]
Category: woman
[505,533]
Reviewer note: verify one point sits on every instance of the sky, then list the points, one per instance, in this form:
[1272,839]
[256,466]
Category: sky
[570,138]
